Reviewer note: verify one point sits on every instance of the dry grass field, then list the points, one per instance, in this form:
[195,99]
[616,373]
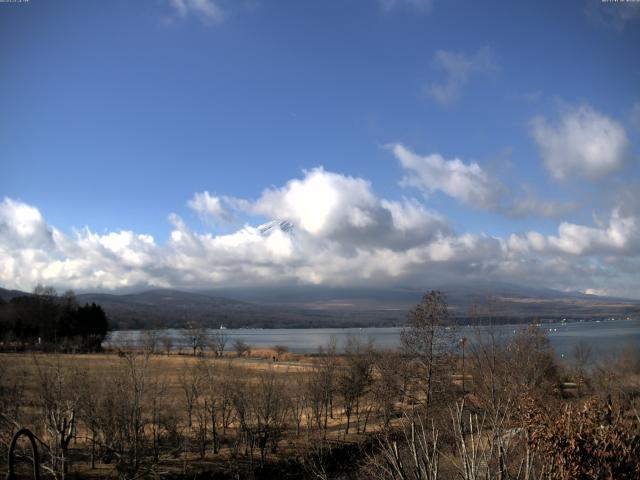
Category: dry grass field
[363,414]
[177,387]
[23,368]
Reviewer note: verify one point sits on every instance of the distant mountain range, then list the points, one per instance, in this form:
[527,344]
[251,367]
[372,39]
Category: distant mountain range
[312,306]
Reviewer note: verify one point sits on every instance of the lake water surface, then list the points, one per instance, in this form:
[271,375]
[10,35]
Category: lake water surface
[606,338]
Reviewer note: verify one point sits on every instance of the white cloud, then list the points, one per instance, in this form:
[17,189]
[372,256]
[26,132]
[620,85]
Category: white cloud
[466,182]
[346,209]
[471,185]
[321,202]
[208,11]
[22,225]
[620,236]
[583,142]
[527,242]
[208,207]
[458,68]
[355,235]
[410,215]
[353,238]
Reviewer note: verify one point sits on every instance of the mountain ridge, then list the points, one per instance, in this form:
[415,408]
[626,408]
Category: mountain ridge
[313,306]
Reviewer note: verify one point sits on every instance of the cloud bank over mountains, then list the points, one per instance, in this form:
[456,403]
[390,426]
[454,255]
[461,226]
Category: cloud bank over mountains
[344,233]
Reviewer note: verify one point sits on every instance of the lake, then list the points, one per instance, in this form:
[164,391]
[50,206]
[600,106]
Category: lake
[606,338]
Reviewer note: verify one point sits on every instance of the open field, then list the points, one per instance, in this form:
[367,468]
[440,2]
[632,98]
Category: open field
[167,368]
[169,384]
[136,414]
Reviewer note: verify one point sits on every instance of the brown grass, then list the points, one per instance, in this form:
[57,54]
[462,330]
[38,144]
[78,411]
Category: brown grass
[23,369]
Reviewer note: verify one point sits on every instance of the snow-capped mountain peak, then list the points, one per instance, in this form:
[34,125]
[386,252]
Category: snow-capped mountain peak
[283,225]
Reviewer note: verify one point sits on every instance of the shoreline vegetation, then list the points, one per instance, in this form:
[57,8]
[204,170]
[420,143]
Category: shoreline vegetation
[48,321]
[438,407]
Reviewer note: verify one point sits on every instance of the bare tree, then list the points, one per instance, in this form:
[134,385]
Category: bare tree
[45,291]
[532,366]
[475,453]
[191,383]
[159,424]
[225,391]
[322,385]
[195,337]
[355,378]
[415,455]
[242,393]
[136,370]
[427,340]
[149,341]
[218,342]
[212,402]
[488,362]
[122,416]
[270,408]
[299,400]
[389,383]
[91,394]
[242,348]
[167,343]
[582,354]
[197,389]
[280,350]
[59,399]
[12,410]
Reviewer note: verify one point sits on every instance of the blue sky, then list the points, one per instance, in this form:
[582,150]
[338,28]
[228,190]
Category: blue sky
[457,140]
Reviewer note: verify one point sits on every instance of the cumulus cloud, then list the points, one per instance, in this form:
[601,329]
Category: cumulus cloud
[208,11]
[620,236]
[582,142]
[31,252]
[208,207]
[526,242]
[346,210]
[466,182]
[471,185]
[321,203]
[23,225]
[458,69]
[343,234]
